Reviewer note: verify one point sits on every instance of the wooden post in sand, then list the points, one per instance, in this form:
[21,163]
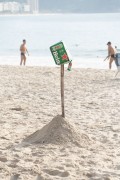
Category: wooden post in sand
[62,90]
[61,57]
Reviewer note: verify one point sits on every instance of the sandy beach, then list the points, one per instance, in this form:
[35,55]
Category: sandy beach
[36,143]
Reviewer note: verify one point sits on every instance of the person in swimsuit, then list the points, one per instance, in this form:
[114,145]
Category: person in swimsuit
[111,54]
[23,50]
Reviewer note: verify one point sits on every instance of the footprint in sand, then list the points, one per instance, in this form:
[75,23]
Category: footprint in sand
[13,163]
[39,177]
[15,177]
[118,167]
[16,109]
[3,159]
[57,173]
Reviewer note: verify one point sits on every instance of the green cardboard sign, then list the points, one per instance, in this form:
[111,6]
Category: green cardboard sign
[60,53]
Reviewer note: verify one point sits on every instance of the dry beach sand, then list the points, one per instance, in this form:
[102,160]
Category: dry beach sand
[36,143]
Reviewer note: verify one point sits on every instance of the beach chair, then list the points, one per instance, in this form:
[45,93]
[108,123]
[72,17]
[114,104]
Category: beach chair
[117,62]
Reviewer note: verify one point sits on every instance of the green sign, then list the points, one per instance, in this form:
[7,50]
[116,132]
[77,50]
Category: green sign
[60,53]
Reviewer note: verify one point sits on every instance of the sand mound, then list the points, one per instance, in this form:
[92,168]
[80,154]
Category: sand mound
[58,131]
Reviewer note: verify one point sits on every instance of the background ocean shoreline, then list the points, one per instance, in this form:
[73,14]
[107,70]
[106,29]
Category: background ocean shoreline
[85,36]
[93,63]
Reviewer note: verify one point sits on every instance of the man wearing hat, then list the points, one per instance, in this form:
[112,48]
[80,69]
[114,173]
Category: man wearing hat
[111,54]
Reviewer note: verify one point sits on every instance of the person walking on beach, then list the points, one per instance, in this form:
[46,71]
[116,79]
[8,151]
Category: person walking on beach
[111,54]
[23,50]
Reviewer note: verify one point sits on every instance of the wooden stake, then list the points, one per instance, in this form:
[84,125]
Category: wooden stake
[62,90]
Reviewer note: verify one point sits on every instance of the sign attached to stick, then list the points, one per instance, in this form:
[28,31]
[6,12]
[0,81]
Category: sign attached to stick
[61,57]
[60,53]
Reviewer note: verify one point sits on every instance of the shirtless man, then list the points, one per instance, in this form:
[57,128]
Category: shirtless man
[111,54]
[23,50]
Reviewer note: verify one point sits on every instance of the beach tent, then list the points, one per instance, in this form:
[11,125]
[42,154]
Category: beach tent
[117,62]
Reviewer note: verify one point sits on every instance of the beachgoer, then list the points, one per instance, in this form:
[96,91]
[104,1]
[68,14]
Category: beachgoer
[23,50]
[111,54]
